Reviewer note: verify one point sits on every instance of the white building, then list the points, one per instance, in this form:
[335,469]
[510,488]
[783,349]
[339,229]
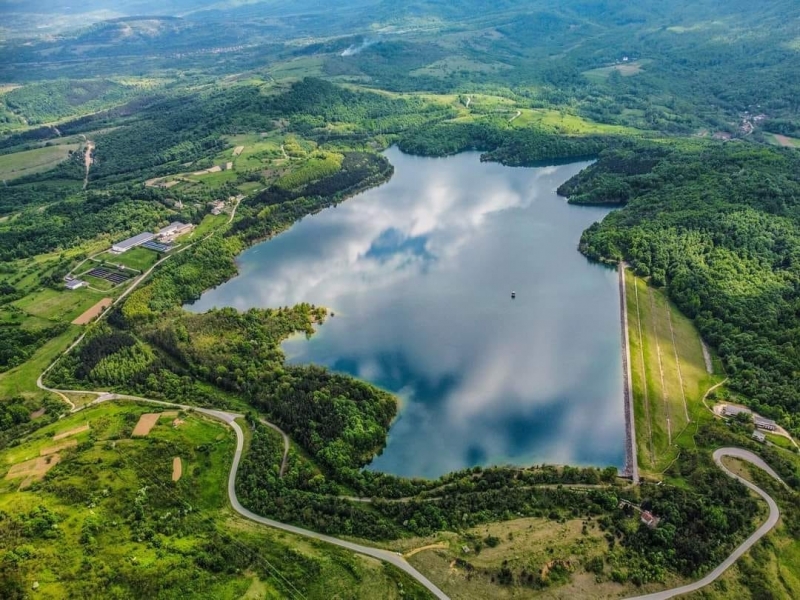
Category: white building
[173,230]
[74,284]
[132,242]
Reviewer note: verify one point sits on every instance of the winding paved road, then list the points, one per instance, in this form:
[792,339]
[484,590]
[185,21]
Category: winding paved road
[774,514]
[230,419]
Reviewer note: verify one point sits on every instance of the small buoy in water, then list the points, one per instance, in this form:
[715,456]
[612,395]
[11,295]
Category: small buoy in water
[513,295]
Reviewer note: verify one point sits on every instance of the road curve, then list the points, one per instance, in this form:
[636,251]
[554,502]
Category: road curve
[230,419]
[774,514]
[395,559]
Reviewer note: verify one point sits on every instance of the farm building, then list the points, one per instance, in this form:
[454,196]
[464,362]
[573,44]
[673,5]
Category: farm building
[217,207]
[74,284]
[132,242]
[763,423]
[759,437]
[173,230]
[731,411]
[649,519]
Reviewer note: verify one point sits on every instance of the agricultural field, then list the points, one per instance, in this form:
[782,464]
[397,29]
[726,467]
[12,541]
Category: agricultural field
[782,140]
[670,376]
[38,160]
[625,69]
[58,305]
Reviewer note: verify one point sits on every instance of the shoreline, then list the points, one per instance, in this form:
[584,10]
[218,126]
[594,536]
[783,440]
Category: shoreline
[631,465]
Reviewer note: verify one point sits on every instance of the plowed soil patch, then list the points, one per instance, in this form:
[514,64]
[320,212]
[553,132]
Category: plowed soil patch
[177,468]
[146,422]
[91,313]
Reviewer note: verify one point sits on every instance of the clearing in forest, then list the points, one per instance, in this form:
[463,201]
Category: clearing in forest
[91,313]
[71,432]
[786,141]
[669,375]
[177,468]
[28,162]
[146,422]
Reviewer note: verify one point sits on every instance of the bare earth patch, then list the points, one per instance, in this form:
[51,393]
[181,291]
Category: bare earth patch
[32,470]
[177,468]
[58,447]
[146,422]
[91,313]
[38,413]
[71,432]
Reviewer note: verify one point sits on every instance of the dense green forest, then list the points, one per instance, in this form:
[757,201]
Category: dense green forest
[50,101]
[719,226]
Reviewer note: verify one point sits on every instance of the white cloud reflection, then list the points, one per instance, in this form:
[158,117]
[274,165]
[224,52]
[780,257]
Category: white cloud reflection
[419,273]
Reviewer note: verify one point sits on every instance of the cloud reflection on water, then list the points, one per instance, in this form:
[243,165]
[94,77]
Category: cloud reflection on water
[419,273]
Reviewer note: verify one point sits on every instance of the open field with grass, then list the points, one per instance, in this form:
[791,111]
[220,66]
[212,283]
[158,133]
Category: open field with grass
[139,259]
[216,179]
[669,376]
[625,69]
[298,68]
[21,380]
[206,226]
[563,122]
[33,161]
[548,559]
[111,510]
[58,305]
[782,140]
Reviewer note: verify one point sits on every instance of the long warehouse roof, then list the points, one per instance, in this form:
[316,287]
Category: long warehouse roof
[135,240]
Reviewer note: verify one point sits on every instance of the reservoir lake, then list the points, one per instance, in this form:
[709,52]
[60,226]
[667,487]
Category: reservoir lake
[419,273]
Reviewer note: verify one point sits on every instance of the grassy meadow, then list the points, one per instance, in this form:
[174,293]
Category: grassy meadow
[33,161]
[669,376]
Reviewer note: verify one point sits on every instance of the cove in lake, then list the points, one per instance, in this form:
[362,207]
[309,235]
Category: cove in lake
[419,273]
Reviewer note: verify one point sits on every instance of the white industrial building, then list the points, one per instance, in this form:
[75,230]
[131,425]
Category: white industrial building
[173,230]
[132,242]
